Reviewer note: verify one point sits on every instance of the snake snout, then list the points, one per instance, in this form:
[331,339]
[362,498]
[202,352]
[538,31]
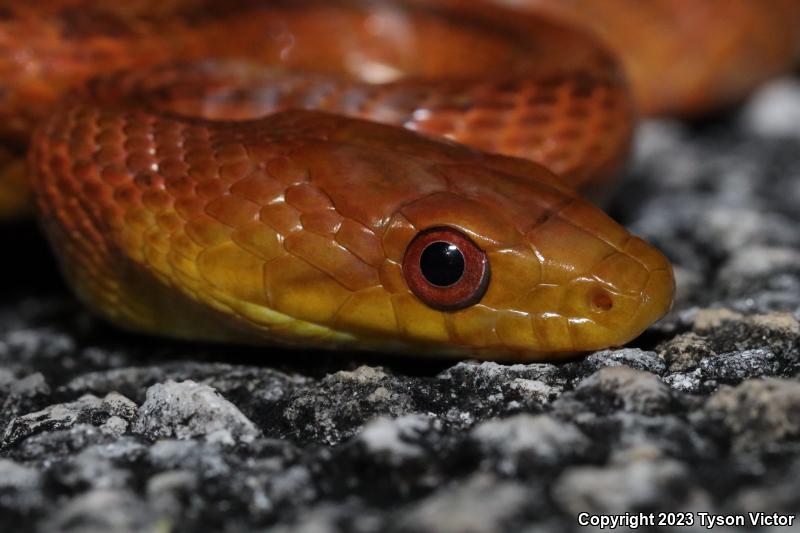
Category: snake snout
[599,286]
[626,292]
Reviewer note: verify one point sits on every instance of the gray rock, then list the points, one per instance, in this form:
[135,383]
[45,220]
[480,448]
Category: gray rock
[735,367]
[756,414]
[398,438]
[761,279]
[333,518]
[17,477]
[728,347]
[525,442]
[20,488]
[479,504]
[102,511]
[684,352]
[491,389]
[780,495]
[167,492]
[191,455]
[671,435]
[188,409]
[638,479]
[621,387]
[775,110]
[689,382]
[337,407]
[87,408]
[30,385]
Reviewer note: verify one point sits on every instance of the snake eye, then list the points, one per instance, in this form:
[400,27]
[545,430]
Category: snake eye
[445,269]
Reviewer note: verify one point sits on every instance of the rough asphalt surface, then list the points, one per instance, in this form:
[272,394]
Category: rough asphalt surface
[106,431]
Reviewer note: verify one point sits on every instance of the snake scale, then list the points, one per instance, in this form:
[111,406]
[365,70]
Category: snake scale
[406,176]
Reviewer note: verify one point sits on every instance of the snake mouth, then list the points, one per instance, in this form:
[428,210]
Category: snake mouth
[657,297]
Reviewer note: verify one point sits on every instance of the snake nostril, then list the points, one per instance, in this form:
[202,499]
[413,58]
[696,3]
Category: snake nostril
[601,301]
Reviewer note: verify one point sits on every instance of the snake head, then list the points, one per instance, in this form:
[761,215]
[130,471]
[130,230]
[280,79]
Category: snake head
[563,277]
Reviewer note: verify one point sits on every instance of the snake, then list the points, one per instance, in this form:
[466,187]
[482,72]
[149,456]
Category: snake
[410,176]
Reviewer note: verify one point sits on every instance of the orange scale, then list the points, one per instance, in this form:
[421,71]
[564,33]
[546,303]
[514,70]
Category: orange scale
[136,143]
[81,170]
[398,234]
[135,129]
[172,168]
[84,131]
[195,145]
[167,127]
[139,162]
[81,148]
[185,246]
[196,134]
[232,210]
[391,277]
[169,221]
[206,231]
[286,171]
[436,124]
[169,152]
[232,172]
[198,155]
[127,195]
[110,136]
[281,217]
[163,140]
[230,153]
[307,197]
[84,115]
[112,214]
[156,200]
[108,118]
[568,134]
[325,254]
[361,241]
[148,180]
[65,187]
[210,189]
[204,171]
[137,220]
[325,223]
[258,188]
[259,239]
[189,207]
[180,186]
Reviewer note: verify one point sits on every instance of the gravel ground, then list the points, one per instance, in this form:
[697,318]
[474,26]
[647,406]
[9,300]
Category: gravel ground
[106,431]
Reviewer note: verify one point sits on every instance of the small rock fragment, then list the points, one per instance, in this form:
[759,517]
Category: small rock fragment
[638,479]
[774,111]
[527,442]
[101,511]
[478,504]
[397,438]
[187,410]
[735,367]
[757,413]
[684,352]
[87,409]
[621,387]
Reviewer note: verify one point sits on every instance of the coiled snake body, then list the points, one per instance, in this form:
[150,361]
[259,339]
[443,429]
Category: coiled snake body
[228,202]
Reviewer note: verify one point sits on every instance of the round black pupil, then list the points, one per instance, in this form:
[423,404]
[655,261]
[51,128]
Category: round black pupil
[442,264]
